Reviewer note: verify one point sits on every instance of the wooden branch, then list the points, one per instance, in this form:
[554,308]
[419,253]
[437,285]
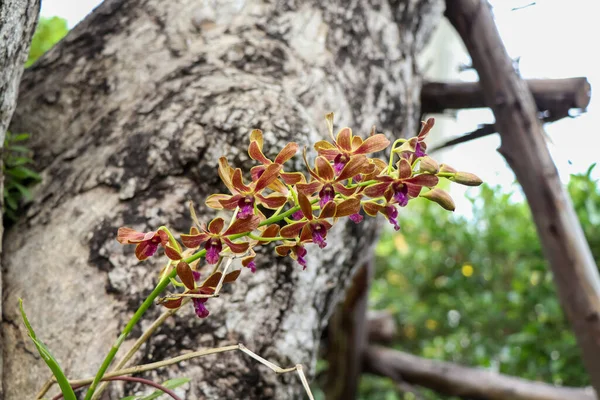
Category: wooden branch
[347,338]
[381,327]
[456,380]
[554,95]
[490,129]
[523,146]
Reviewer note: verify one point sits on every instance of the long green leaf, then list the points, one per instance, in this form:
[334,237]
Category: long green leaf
[61,379]
[170,384]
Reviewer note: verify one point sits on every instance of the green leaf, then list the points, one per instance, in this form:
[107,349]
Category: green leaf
[22,172]
[61,379]
[25,193]
[19,149]
[48,32]
[19,137]
[170,384]
[16,161]
[11,202]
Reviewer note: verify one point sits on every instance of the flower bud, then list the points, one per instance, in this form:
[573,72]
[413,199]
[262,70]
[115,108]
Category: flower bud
[466,178]
[409,145]
[446,168]
[441,197]
[428,164]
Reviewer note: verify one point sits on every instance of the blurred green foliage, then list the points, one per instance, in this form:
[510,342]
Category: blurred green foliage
[17,159]
[477,291]
[48,32]
[18,176]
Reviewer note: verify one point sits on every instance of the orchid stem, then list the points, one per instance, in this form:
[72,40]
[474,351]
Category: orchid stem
[162,285]
[152,366]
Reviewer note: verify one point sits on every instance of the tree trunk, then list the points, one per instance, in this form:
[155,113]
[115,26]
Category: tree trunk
[129,114]
[18,19]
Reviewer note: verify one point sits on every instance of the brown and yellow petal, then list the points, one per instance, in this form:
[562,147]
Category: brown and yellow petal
[328,210]
[347,207]
[271,173]
[344,139]
[308,189]
[214,200]
[286,153]
[404,168]
[353,167]
[423,180]
[326,149]
[272,201]
[238,182]
[373,144]
[185,274]
[292,230]
[425,128]
[292,178]
[127,235]
[339,188]
[372,208]
[377,189]
[305,206]
[240,247]
[324,169]
[243,225]
[226,173]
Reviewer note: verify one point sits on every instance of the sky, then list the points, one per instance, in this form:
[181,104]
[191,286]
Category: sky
[553,38]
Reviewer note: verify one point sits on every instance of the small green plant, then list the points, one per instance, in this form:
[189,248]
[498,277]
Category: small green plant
[49,31]
[18,175]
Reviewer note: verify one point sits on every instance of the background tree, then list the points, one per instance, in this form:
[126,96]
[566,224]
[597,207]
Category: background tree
[17,24]
[128,115]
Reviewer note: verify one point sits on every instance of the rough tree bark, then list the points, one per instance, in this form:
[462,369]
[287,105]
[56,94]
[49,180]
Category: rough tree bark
[18,19]
[129,115]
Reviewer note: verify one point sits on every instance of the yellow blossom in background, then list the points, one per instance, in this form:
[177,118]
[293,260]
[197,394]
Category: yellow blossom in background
[410,331]
[394,278]
[431,324]
[467,270]
[535,277]
[400,244]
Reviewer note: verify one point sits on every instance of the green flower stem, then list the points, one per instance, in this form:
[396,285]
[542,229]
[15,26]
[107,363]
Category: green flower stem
[263,239]
[172,240]
[162,285]
[391,163]
[365,183]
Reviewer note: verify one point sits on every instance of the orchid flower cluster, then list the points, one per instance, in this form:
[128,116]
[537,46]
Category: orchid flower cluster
[283,206]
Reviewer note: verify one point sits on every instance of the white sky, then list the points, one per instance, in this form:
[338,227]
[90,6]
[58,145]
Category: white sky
[553,38]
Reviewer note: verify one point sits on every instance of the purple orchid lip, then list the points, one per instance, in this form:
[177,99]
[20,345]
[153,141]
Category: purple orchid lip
[356,218]
[339,163]
[246,205]
[252,266]
[401,195]
[418,151]
[301,253]
[392,215]
[318,236]
[200,308]
[326,195]
[213,249]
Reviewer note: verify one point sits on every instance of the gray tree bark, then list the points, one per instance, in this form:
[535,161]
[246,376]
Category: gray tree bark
[129,115]
[18,19]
